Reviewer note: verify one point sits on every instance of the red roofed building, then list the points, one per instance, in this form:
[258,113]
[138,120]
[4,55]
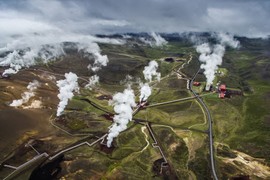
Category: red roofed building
[221,95]
[222,87]
[196,83]
[222,91]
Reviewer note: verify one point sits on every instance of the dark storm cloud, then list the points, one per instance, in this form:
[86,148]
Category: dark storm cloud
[242,17]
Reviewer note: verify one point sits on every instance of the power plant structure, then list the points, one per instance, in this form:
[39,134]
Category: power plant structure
[196,83]
[208,87]
[222,91]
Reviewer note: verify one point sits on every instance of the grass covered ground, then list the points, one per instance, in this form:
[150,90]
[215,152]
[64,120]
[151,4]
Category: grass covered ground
[241,123]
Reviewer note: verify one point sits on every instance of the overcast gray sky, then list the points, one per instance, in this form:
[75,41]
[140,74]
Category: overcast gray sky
[241,17]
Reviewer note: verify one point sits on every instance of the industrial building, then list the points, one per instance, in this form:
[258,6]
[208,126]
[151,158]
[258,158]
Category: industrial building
[196,83]
[222,91]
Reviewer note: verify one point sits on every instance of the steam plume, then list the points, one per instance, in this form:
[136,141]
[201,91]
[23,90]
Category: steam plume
[227,39]
[93,49]
[159,41]
[211,56]
[32,86]
[123,103]
[145,91]
[36,104]
[156,40]
[93,80]
[150,73]
[66,88]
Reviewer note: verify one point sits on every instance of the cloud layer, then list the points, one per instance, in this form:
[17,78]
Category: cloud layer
[242,17]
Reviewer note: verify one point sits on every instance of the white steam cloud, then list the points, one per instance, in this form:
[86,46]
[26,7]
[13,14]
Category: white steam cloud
[93,80]
[145,91]
[159,41]
[32,86]
[211,56]
[150,73]
[36,104]
[66,88]
[94,50]
[28,50]
[156,40]
[123,104]
[227,40]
